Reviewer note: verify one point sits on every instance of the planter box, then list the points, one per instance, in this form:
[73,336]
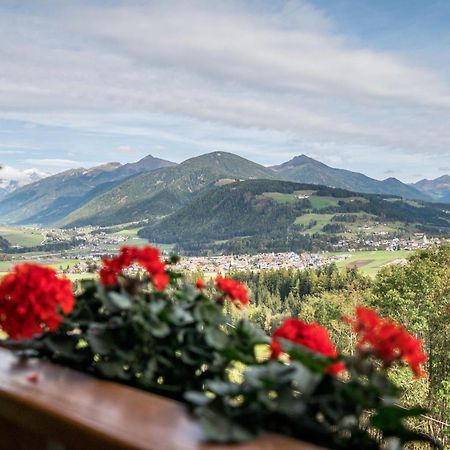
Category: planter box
[66,410]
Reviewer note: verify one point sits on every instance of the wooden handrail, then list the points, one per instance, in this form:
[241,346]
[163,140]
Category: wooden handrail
[46,406]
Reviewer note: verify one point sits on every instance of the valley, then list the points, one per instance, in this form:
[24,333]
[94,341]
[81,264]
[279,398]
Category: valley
[220,204]
[152,188]
[82,260]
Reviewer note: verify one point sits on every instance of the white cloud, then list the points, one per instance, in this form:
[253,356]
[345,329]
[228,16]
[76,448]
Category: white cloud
[287,71]
[15,148]
[11,152]
[127,149]
[59,163]
[8,173]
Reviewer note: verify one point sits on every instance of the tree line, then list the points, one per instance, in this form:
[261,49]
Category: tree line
[417,295]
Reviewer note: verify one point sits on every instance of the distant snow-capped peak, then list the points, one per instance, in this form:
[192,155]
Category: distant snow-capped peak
[12,179]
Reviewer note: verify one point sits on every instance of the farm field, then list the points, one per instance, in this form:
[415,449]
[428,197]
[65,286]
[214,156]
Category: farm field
[57,263]
[370,262]
[321,219]
[368,225]
[318,202]
[22,236]
[132,239]
[280,197]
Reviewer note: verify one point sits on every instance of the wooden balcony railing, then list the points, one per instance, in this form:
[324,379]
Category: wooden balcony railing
[48,407]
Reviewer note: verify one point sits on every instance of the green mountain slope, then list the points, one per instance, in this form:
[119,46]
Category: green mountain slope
[279,215]
[50,199]
[303,169]
[152,195]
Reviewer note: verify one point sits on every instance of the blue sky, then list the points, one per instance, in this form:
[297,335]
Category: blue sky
[357,84]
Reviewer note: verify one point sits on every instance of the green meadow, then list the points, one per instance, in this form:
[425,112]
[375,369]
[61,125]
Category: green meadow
[23,236]
[370,262]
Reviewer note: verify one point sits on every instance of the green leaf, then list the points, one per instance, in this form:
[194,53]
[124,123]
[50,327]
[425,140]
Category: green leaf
[197,398]
[208,312]
[63,346]
[157,306]
[101,343]
[220,428]
[216,338]
[289,405]
[304,379]
[269,375]
[188,358]
[150,369]
[120,301]
[222,388]
[314,361]
[251,333]
[141,324]
[179,316]
[388,418]
[160,329]
[112,369]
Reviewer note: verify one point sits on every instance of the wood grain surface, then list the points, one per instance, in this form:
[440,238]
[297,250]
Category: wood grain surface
[46,406]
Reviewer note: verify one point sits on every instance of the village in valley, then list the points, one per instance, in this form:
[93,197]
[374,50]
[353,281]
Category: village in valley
[83,248]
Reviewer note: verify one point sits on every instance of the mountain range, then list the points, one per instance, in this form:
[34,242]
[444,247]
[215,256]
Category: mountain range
[307,170]
[161,192]
[153,188]
[52,198]
[438,189]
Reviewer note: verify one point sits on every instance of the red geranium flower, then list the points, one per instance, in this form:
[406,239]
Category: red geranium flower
[200,284]
[387,340]
[147,257]
[310,335]
[31,298]
[233,290]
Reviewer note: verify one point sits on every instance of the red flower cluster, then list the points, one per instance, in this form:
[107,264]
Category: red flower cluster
[30,299]
[235,291]
[310,335]
[147,257]
[200,284]
[387,340]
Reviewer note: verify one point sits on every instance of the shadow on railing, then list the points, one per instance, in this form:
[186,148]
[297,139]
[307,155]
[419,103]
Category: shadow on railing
[49,407]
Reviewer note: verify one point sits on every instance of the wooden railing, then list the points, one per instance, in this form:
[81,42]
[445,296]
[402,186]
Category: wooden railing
[48,407]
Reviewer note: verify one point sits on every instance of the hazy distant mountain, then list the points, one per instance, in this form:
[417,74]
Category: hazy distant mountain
[52,198]
[163,191]
[12,179]
[146,164]
[303,169]
[439,188]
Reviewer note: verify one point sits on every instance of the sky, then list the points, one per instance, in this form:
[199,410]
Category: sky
[358,84]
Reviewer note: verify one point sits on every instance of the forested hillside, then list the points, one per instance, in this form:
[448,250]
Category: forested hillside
[275,215]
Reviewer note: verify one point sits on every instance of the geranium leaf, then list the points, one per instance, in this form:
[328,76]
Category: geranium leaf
[216,338]
[220,428]
[120,301]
